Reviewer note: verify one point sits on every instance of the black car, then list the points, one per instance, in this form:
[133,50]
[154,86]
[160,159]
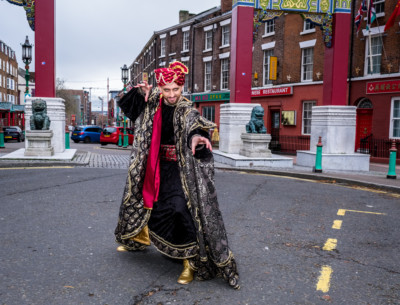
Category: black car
[13,133]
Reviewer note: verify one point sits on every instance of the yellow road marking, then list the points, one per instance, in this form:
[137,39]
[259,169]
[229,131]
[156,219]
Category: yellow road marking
[324,281]
[330,244]
[342,212]
[337,224]
[36,167]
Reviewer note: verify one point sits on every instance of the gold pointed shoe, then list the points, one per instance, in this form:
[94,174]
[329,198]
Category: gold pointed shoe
[187,274]
[122,249]
[143,237]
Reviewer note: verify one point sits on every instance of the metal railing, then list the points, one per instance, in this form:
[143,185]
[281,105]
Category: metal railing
[289,144]
[378,148]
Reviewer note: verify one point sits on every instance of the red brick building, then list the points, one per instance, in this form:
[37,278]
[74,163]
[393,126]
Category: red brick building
[203,43]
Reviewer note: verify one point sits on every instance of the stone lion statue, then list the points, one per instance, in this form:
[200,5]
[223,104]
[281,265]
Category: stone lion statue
[39,119]
[256,124]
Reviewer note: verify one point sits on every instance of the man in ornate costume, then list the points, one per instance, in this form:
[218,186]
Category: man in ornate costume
[169,196]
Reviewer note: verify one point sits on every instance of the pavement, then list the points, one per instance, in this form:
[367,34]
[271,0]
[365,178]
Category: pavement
[118,157]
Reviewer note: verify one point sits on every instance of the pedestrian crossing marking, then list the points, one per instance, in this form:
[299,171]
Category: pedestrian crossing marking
[330,244]
[337,224]
[324,280]
[342,212]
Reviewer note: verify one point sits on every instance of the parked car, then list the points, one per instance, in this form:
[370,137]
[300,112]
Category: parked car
[86,134]
[111,134]
[13,133]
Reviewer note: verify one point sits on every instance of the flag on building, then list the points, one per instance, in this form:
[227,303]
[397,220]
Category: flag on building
[371,14]
[360,13]
[396,13]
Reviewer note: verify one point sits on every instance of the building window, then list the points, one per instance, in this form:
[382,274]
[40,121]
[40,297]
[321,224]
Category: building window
[375,56]
[209,113]
[379,6]
[208,40]
[308,25]
[226,35]
[270,27]
[185,41]
[207,76]
[267,54]
[307,111]
[162,51]
[307,59]
[395,118]
[186,85]
[225,74]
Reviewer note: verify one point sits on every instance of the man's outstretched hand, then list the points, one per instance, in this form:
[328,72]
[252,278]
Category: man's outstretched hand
[198,140]
[146,89]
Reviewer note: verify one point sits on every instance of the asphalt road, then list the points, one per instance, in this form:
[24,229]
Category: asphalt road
[58,245]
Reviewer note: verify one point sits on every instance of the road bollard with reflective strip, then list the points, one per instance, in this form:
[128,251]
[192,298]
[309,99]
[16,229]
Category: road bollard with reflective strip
[392,161]
[2,139]
[318,157]
[67,146]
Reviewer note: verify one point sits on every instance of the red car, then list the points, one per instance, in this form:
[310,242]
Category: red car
[110,134]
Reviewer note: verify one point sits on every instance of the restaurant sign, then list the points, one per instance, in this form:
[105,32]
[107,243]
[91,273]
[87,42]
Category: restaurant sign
[388,86]
[272,91]
[212,97]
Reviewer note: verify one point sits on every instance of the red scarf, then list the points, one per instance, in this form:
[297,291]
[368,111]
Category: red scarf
[151,184]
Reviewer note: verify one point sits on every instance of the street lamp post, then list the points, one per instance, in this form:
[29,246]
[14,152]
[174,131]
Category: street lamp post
[27,59]
[124,77]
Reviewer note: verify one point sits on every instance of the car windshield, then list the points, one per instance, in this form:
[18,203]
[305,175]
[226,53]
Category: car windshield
[78,129]
[110,129]
[10,129]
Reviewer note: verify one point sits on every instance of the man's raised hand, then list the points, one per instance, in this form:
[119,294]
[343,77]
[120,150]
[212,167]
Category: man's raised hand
[146,88]
[198,140]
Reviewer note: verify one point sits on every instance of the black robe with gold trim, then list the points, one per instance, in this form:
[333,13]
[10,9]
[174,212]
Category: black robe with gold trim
[210,255]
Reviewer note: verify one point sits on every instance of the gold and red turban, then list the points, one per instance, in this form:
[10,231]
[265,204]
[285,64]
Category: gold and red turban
[174,73]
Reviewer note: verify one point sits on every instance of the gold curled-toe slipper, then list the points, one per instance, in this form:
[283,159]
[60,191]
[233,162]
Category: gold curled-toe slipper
[122,249]
[187,274]
[143,237]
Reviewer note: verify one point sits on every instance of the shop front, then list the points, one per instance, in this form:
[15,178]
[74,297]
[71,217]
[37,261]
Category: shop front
[12,115]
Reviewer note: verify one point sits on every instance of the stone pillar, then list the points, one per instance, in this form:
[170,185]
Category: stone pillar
[336,127]
[233,120]
[56,113]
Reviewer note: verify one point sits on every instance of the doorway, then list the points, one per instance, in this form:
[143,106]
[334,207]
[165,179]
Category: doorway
[363,125]
[274,129]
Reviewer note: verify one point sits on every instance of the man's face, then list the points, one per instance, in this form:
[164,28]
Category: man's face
[171,92]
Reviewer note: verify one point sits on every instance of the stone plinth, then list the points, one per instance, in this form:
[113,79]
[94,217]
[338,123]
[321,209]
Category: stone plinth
[255,145]
[336,125]
[39,143]
[56,113]
[233,120]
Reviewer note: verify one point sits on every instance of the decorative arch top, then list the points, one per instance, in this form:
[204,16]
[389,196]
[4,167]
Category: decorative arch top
[29,6]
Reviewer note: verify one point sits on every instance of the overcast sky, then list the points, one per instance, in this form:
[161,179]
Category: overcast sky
[95,38]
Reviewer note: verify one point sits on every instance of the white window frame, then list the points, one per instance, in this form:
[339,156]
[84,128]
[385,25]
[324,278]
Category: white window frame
[185,41]
[393,118]
[207,76]
[208,112]
[308,27]
[186,85]
[225,35]
[162,47]
[269,29]
[308,119]
[366,58]
[307,65]
[266,54]
[208,36]
[379,6]
[225,73]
